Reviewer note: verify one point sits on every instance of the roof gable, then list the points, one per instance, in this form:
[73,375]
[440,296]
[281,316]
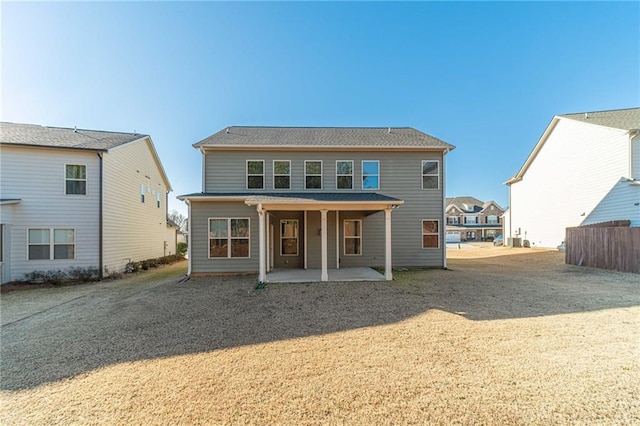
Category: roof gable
[322,137]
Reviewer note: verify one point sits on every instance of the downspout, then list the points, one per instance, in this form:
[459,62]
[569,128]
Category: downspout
[101,218]
[443,225]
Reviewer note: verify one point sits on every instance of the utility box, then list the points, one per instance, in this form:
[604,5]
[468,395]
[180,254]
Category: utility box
[514,242]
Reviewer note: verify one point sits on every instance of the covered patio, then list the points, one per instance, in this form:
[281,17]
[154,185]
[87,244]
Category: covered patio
[315,275]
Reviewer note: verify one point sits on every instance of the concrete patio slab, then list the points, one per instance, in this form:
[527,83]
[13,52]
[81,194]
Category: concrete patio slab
[313,275]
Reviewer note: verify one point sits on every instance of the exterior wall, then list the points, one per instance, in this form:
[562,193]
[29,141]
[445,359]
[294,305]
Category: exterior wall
[133,230]
[200,213]
[37,177]
[635,155]
[574,170]
[619,204]
[400,177]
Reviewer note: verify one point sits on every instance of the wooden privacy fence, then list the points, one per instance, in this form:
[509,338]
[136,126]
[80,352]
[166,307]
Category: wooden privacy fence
[609,245]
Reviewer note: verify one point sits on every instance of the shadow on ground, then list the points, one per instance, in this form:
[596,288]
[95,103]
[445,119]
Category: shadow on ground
[114,325]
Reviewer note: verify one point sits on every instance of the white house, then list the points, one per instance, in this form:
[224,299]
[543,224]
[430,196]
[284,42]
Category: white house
[79,198]
[585,169]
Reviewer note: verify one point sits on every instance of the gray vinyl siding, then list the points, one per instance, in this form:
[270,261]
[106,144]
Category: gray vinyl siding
[133,230]
[200,212]
[635,156]
[400,177]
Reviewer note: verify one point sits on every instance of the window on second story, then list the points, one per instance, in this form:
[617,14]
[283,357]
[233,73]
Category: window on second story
[453,220]
[492,219]
[75,179]
[158,199]
[344,174]
[281,174]
[430,174]
[255,174]
[312,174]
[371,175]
[470,220]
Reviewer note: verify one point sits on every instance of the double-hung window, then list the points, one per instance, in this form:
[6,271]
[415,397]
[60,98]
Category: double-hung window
[75,179]
[228,238]
[281,174]
[344,174]
[492,219]
[313,174]
[371,174]
[51,243]
[430,234]
[289,237]
[430,174]
[471,220]
[352,237]
[453,220]
[255,174]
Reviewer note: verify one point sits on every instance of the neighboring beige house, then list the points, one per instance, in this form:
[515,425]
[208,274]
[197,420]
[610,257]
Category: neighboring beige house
[585,169]
[318,198]
[79,198]
[469,219]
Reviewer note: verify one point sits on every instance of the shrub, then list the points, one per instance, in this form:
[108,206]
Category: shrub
[34,276]
[84,274]
[112,275]
[181,249]
[132,267]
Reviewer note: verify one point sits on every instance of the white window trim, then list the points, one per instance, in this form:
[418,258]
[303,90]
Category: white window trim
[430,233]
[274,174]
[297,237]
[344,236]
[158,199]
[51,243]
[86,180]
[453,220]
[353,165]
[363,175]
[246,171]
[497,222]
[321,175]
[422,175]
[469,216]
[229,237]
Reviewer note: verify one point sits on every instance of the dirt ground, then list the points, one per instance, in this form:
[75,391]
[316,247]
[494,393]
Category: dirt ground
[505,336]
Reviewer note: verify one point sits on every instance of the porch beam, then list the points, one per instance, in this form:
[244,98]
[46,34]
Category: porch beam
[324,276]
[388,274]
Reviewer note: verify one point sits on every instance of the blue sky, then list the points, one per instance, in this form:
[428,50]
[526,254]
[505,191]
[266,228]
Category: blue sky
[484,76]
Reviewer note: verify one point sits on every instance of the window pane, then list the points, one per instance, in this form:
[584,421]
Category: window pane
[63,251]
[255,167]
[282,182]
[314,182]
[370,167]
[76,172]
[352,228]
[217,228]
[430,241]
[76,187]
[430,182]
[38,252]
[62,236]
[38,236]
[240,227]
[218,248]
[290,246]
[255,182]
[345,182]
[429,167]
[289,228]
[240,248]
[313,167]
[344,167]
[370,182]
[429,227]
[352,246]
[281,167]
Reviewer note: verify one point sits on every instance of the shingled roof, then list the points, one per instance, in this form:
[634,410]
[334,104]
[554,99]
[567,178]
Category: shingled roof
[323,137]
[60,137]
[625,119]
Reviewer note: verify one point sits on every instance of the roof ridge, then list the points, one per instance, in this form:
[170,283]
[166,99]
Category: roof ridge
[595,112]
[75,129]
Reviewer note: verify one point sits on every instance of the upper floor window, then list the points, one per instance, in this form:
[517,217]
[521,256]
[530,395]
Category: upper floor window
[281,174]
[313,174]
[51,243]
[75,179]
[430,234]
[143,191]
[344,174]
[228,237]
[371,175]
[430,174]
[255,174]
[453,220]
[470,220]
[492,219]
[158,199]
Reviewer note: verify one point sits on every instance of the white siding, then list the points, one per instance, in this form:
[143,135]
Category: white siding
[621,203]
[575,169]
[133,230]
[37,177]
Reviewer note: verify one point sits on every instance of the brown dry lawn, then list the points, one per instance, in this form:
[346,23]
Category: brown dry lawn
[506,336]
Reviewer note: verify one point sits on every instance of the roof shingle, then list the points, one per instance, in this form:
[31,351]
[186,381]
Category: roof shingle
[625,119]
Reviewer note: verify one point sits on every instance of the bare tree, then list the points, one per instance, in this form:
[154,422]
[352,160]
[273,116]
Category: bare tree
[178,218]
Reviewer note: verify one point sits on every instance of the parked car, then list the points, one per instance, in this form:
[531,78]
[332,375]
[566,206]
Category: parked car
[498,241]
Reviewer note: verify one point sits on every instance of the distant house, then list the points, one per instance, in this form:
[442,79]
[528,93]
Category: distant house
[317,198]
[585,169]
[79,198]
[469,219]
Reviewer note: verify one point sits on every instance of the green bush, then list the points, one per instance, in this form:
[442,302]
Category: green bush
[181,249]
[84,274]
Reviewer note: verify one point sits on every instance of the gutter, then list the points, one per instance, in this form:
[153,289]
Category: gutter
[101,218]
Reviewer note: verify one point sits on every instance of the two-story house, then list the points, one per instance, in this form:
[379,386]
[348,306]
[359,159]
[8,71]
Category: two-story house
[585,169]
[318,198]
[79,198]
[469,219]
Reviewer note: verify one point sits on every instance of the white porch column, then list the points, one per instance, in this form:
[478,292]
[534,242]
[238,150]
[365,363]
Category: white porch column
[262,275]
[267,261]
[305,239]
[337,239]
[388,274]
[323,232]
